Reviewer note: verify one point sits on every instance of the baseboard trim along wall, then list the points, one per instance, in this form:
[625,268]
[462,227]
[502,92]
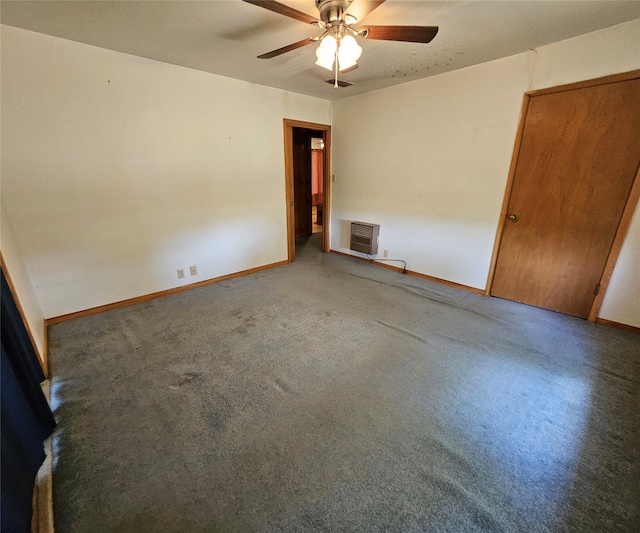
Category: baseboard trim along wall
[413,273]
[602,321]
[175,290]
[159,294]
[618,325]
[42,517]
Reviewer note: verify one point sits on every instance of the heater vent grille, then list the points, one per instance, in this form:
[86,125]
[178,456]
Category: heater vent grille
[364,237]
[341,83]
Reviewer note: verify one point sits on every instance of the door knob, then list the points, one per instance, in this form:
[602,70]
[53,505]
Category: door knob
[512,218]
[290,204]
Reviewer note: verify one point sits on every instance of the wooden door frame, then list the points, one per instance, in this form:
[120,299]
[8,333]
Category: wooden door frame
[288,172]
[627,213]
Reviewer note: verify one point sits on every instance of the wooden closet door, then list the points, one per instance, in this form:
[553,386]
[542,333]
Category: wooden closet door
[577,161]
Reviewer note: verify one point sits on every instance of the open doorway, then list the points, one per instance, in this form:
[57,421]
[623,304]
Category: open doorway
[317,184]
[307,153]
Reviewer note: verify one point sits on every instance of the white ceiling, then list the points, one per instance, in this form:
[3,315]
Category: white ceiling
[225,36]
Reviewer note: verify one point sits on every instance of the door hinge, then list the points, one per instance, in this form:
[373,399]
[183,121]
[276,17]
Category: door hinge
[597,290]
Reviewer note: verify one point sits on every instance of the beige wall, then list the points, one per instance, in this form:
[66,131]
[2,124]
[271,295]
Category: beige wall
[22,284]
[596,54]
[429,160]
[119,170]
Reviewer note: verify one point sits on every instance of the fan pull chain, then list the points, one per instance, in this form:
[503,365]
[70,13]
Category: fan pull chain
[335,80]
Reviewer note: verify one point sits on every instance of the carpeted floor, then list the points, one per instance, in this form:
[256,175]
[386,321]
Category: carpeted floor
[333,395]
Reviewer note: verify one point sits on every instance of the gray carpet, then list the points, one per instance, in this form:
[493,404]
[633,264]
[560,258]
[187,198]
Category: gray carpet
[334,395]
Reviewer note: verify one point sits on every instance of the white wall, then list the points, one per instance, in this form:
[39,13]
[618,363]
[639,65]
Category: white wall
[429,160]
[118,170]
[597,54]
[22,284]
[622,301]
[23,290]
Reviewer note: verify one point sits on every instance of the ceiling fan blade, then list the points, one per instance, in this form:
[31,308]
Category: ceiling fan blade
[412,34]
[286,49]
[281,9]
[361,8]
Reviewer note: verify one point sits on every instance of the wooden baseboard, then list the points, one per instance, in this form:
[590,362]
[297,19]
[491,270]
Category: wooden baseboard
[602,321]
[42,517]
[412,273]
[159,294]
[618,325]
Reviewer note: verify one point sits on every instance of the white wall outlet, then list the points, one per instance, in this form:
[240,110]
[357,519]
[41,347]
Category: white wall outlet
[385,253]
[193,270]
[180,273]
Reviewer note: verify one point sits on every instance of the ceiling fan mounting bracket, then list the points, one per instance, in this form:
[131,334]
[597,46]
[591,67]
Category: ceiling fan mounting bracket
[332,11]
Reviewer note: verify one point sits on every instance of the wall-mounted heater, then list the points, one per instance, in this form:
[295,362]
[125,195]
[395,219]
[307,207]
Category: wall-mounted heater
[364,237]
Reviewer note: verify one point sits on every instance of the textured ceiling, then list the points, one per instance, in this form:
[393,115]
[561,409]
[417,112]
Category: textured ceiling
[225,36]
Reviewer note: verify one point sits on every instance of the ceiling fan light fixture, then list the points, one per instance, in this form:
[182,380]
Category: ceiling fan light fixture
[326,52]
[338,50]
[349,52]
[350,19]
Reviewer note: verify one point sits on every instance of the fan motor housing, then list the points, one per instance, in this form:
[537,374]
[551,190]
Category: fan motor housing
[332,10]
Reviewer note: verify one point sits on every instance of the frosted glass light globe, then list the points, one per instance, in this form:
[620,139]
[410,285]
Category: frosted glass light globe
[349,52]
[326,52]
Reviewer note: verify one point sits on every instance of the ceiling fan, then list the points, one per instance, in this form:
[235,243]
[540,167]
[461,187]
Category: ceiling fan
[339,50]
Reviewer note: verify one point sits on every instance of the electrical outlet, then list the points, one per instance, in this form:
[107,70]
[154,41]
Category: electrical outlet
[333,178]
[180,273]
[385,253]
[193,270]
